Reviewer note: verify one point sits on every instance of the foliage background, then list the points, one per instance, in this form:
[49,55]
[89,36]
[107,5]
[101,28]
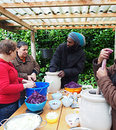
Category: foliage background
[96,39]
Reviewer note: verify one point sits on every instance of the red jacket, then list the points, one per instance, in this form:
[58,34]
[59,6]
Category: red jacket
[10,84]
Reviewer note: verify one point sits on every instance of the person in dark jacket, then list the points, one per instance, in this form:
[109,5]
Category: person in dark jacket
[106,81]
[69,58]
[26,66]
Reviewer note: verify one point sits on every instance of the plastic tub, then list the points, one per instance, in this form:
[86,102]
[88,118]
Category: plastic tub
[54,104]
[52,117]
[35,107]
[78,90]
[41,87]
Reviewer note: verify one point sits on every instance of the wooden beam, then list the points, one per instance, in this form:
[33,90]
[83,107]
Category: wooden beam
[100,15]
[70,23]
[76,27]
[59,3]
[33,50]
[8,28]
[69,27]
[15,18]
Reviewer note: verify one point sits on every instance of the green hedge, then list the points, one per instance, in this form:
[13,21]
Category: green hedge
[96,39]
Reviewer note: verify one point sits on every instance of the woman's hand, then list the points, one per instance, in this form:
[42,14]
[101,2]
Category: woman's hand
[32,77]
[25,81]
[29,84]
[104,54]
[101,72]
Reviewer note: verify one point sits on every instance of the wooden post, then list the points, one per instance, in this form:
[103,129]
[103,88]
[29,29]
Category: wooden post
[33,50]
[115,45]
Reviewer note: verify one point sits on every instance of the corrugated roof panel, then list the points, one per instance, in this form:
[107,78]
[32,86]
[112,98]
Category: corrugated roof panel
[11,21]
[53,20]
[7,1]
[39,21]
[103,9]
[84,9]
[46,10]
[28,21]
[83,19]
[37,10]
[56,10]
[105,19]
[112,9]
[43,14]
[46,20]
[13,11]
[68,19]
[65,10]
[27,1]
[60,20]
[20,11]
[112,19]
[97,19]
[33,21]
[76,19]
[90,19]
[18,1]
[93,9]
[76,9]
[28,11]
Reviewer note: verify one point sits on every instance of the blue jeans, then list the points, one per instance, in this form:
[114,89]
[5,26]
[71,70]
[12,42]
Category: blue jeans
[7,111]
[21,101]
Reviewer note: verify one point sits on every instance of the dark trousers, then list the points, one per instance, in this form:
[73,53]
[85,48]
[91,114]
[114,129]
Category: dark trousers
[7,111]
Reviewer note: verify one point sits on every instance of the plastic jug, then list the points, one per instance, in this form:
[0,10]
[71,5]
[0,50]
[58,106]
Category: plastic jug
[54,81]
[95,112]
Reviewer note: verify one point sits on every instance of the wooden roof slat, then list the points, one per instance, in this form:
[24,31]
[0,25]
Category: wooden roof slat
[58,3]
[58,14]
[100,15]
[69,23]
[71,27]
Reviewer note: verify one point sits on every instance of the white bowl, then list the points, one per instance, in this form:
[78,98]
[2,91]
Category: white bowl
[67,102]
[57,96]
[54,104]
[27,121]
[87,87]
[72,120]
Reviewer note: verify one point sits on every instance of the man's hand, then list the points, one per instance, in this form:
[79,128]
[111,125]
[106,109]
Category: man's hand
[61,74]
[104,54]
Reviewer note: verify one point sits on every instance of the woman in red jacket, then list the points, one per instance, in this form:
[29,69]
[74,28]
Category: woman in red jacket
[10,84]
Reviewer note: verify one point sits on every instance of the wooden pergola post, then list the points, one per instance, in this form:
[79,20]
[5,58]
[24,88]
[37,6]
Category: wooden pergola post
[115,45]
[33,50]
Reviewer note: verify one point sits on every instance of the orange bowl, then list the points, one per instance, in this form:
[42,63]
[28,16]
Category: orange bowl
[78,90]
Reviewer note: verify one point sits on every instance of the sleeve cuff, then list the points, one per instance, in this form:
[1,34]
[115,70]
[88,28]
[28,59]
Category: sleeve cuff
[34,71]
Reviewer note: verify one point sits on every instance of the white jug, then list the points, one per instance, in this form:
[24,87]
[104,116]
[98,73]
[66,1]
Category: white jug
[95,112]
[54,80]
